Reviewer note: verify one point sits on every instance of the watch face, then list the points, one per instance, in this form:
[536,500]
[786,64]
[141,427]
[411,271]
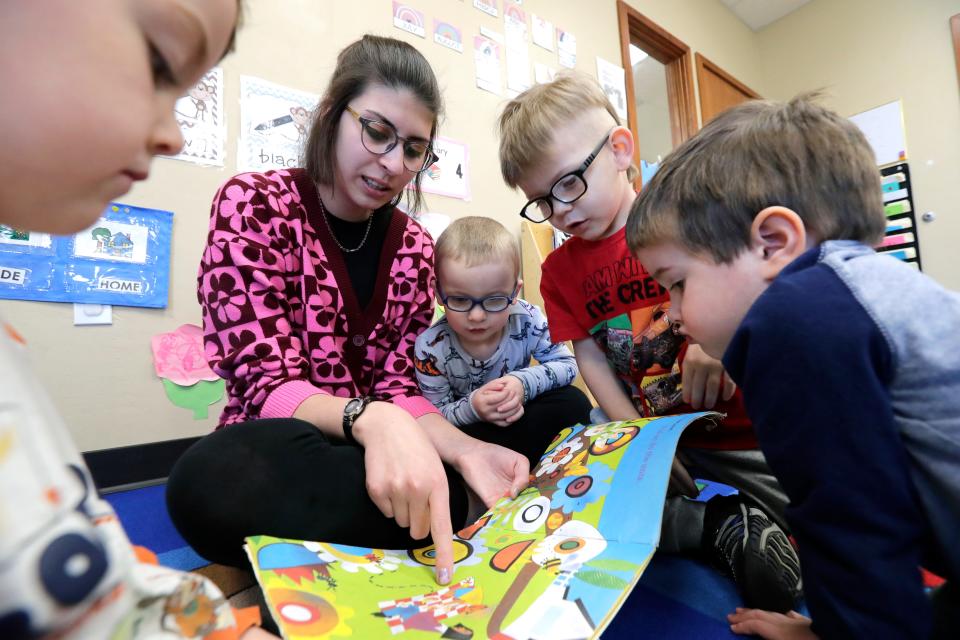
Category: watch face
[353,406]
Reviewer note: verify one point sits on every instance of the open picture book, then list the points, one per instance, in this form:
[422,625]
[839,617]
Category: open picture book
[556,562]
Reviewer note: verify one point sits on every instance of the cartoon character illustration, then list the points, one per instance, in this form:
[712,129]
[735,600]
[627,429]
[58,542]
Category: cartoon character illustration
[301,119]
[200,94]
[424,612]
[190,610]
[113,244]
[428,366]
[552,614]
[9,233]
[296,562]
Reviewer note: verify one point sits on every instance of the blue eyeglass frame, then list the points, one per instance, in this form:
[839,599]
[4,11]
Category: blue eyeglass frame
[478,301]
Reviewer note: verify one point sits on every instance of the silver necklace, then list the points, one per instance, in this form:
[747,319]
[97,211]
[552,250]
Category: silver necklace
[323,210]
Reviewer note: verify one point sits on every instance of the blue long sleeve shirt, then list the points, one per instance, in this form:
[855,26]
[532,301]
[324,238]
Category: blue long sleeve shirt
[850,367]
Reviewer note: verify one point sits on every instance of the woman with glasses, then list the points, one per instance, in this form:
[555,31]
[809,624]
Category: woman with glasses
[314,287]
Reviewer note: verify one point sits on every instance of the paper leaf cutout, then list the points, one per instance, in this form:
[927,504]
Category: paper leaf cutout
[197,397]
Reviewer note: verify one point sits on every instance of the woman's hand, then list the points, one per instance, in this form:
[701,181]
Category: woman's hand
[704,379]
[405,478]
[492,471]
[770,625]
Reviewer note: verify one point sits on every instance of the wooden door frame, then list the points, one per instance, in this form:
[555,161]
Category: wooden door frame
[704,65]
[675,56]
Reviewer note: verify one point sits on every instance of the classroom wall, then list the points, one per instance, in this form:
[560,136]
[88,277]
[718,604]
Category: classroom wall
[866,53]
[101,377]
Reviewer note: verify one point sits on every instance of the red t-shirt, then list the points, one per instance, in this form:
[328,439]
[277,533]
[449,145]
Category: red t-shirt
[599,290]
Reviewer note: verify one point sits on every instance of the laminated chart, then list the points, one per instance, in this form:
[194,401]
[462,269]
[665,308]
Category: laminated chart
[123,259]
[900,239]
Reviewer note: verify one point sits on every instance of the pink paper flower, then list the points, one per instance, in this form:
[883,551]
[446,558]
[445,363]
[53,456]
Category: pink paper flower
[179,357]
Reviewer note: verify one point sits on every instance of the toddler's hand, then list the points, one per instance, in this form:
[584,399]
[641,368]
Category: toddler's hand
[497,401]
[770,625]
[511,409]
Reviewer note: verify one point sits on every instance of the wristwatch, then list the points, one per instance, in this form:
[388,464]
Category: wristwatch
[350,414]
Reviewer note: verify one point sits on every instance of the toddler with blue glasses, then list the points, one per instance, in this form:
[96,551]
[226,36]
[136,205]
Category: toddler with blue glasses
[474,362]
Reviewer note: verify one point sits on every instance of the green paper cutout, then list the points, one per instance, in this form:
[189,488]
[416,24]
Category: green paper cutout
[197,396]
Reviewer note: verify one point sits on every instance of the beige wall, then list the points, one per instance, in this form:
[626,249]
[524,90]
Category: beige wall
[101,378]
[870,52]
[710,28]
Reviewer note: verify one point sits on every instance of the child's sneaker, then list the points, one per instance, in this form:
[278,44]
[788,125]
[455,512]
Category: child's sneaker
[755,552]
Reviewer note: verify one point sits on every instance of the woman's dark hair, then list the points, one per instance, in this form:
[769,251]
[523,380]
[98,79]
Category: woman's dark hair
[368,61]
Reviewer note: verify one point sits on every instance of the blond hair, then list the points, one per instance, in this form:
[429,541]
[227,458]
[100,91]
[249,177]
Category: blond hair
[477,240]
[796,154]
[529,121]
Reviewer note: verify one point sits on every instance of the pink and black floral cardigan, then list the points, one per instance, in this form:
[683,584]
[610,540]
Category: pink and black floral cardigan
[281,321]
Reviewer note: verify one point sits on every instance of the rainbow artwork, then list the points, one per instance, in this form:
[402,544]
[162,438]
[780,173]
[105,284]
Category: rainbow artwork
[408,19]
[489,7]
[513,12]
[447,35]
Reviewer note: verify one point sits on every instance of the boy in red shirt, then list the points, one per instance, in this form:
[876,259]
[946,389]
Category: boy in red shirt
[563,145]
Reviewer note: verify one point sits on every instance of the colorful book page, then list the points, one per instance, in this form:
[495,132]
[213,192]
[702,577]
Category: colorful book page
[558,561]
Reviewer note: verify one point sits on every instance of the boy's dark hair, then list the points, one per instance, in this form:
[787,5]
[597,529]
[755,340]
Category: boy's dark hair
[368,61]
[758,154]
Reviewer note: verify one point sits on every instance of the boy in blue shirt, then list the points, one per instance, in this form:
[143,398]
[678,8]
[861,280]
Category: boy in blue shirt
[761,228]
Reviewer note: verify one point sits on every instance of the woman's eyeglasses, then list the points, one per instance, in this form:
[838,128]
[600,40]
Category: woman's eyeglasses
[568,188]
[381,137]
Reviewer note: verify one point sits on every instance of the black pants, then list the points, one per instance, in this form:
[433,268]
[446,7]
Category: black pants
[283,477]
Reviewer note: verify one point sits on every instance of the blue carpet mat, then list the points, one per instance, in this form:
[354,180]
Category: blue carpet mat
[143,513]
[676,597]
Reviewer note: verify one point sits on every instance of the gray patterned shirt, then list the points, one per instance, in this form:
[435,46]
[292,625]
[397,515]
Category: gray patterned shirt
[448,375]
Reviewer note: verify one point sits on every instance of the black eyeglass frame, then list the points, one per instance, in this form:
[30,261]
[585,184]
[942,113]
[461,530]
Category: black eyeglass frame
[365,122]
[479,301]
[578,173]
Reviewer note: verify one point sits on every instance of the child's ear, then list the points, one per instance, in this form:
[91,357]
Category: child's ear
[517,289]
[779,237]
[436,291]
[621,141]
